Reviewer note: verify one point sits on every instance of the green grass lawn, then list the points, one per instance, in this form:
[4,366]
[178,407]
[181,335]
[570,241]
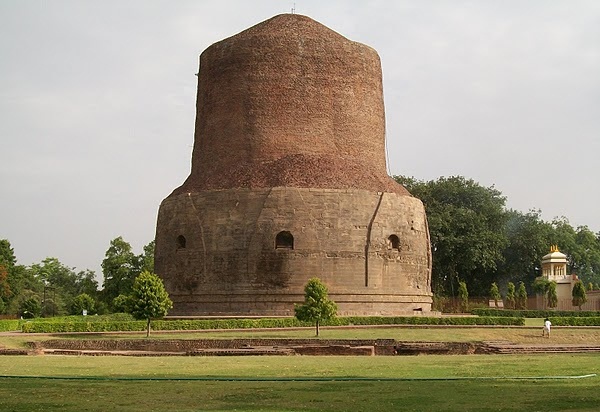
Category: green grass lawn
[308,383]
[440,383]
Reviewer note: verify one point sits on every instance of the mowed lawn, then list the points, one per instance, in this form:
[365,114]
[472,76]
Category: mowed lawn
[543,382]
[301,383]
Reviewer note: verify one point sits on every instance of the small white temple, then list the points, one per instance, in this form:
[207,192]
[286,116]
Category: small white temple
[554,268]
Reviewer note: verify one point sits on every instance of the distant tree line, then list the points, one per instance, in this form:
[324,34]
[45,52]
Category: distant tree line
[51,288]
[475,239]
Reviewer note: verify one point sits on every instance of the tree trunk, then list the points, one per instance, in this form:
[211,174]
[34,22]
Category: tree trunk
[148,328]
[317,326]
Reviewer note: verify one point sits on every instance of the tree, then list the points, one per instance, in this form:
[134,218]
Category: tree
[540,286]
[590,287]
[122,304]
[463,296]
[528,238]
[82,302]
[317,307]
[581,246]
[510,295]
[120,267]
[149,299]
[495,294]
[522,296]
[7,264]
[552,297]
[466,226]
[30,307]
[146,259]
[578,293]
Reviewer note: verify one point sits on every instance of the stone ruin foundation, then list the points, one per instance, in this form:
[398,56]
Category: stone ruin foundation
[289,182]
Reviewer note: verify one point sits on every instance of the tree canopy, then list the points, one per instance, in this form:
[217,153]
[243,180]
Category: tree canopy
[149,299]
[475,238]
[466,225]
[317,307]
[121,266]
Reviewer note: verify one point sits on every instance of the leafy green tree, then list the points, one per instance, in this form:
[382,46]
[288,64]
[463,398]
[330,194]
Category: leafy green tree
[463,296]
[581,246]
[7,264]
[528,239]
[60,284]
[540,287]
[552,297]
[578,294]
[317,307]
[590,287]
[120,268]
[85,282]
[495,294]
[30,307]
[149,299]
[82,302]
[146,259]
[122,304]
[5,291]
[521,296]
[466,225]
[510,295]
[7,254]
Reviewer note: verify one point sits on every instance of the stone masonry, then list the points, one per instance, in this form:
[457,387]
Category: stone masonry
[289,182]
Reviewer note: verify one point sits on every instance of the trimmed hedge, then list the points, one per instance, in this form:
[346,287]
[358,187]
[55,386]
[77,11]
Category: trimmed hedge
[576,321]
[534,313]
[39,326]
[10,325]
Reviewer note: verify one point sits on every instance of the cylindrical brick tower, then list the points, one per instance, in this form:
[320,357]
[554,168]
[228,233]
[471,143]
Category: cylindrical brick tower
[289,182]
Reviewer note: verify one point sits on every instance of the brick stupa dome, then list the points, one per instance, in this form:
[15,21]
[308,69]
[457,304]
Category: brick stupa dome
[289,182]
[289,102]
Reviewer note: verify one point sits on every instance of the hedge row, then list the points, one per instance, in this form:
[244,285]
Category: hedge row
[113,317]
[576,321]
[533,313]
[9,325]
[39,326]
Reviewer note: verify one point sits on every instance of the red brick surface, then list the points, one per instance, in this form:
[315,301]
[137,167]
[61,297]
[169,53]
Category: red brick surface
[289,102]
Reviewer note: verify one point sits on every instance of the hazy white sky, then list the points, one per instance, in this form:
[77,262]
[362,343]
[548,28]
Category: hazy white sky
[97,105]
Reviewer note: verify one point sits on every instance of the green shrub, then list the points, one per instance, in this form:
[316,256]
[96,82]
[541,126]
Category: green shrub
[576,321]
[533,313]
[10,325]
[90,324]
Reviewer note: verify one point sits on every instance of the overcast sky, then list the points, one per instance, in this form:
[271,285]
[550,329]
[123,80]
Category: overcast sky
[97,105]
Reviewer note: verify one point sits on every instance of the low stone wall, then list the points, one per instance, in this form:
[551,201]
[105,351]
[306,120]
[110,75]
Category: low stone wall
[300,346]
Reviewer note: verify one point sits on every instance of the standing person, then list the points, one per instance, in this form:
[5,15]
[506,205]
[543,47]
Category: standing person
[546,330]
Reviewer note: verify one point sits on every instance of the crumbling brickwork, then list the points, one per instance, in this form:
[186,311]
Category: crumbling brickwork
[289,182]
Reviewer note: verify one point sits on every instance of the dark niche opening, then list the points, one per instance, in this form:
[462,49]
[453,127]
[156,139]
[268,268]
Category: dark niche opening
[284,240]
[394,242]
[181,242]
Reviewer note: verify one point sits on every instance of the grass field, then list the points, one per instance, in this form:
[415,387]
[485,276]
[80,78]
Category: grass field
[307,383]
[419,383]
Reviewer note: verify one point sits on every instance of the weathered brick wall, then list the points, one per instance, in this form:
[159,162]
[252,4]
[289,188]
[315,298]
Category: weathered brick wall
[289,102]
[230,263]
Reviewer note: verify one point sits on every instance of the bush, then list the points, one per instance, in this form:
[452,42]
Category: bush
[533,313]
[88,324]
[576,321]
[10,325]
